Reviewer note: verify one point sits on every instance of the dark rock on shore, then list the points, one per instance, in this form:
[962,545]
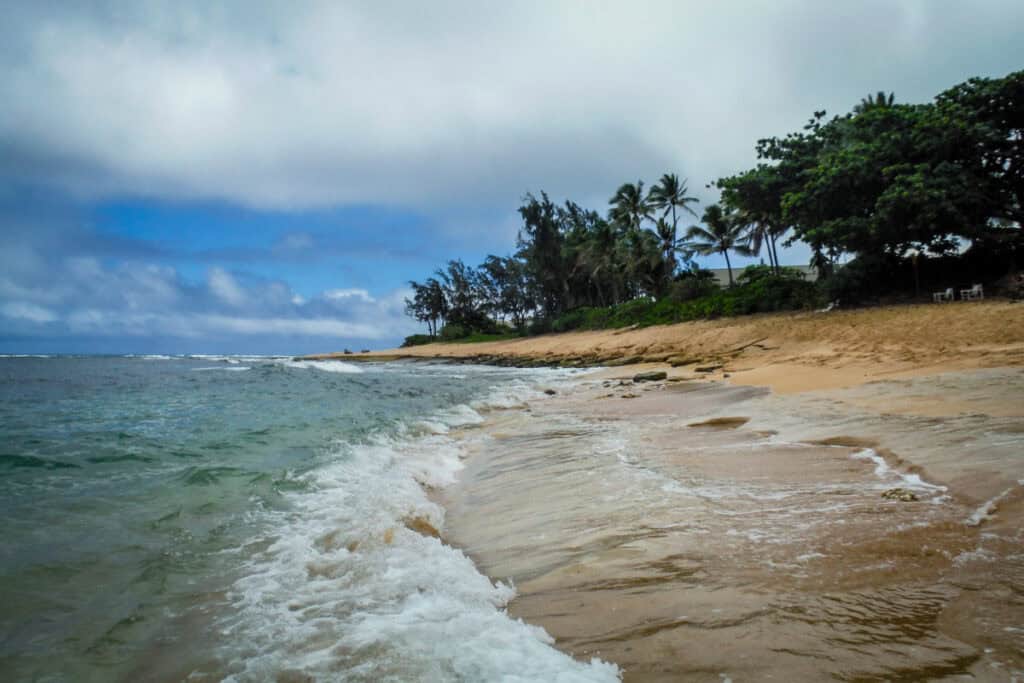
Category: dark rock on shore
[652,376]
[900,494]
[708,368]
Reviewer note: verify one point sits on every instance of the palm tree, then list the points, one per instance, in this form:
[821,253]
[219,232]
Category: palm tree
[643,258]
[629,206]
[878,101]
[759,233]
[668,244]
[668,195]
[724,233]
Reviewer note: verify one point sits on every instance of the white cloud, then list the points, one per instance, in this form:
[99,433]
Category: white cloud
[138,300]
[225,288]
[20,310]
[316,104]
[352,293]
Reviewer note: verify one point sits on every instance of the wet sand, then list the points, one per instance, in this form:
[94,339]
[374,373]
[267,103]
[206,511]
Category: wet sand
[695,530]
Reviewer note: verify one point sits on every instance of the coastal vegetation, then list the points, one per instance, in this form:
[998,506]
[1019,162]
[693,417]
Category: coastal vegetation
[891,199]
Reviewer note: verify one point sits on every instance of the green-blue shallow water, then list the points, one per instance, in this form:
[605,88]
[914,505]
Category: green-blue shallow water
[242,518]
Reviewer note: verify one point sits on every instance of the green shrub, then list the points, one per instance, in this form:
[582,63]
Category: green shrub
[758,290]
[417,340]
[454,331]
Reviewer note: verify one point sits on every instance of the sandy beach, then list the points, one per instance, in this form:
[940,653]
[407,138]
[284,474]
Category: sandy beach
[787,352]
[802,497]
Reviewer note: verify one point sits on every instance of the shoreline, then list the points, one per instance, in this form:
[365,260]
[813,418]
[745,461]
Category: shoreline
[718,561]
[786,352]
[693,577]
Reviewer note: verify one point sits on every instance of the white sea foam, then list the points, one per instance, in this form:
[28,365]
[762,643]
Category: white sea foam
[889,476]
[986,509]
[514,395]
[236,368]
[347,590]
[325,365]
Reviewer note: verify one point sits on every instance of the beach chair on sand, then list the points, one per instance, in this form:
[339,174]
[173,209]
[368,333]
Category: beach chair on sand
[939,297]
[975,292]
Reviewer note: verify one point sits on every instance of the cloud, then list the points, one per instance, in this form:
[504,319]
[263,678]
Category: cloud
[225,288]
[137,302]
[343,294]
[20,310]
[318,104]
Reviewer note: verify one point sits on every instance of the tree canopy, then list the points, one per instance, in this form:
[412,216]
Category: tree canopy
[884,180]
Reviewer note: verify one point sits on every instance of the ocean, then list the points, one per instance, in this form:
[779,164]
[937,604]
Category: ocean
[250,518]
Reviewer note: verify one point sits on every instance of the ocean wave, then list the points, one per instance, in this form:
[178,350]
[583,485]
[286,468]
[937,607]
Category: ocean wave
[325,365]
[887,474]
[355,581]
[236,368]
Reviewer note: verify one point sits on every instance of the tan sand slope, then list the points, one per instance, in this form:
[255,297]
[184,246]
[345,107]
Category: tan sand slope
[788,352]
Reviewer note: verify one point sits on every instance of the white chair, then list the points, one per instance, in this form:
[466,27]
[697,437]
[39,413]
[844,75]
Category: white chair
[975,292]
[939,297]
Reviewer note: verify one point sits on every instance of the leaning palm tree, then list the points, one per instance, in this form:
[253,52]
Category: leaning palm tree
[758,234]
[723,233]
[668,195]
[629,206]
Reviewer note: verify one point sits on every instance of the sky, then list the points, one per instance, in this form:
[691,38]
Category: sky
[244,177]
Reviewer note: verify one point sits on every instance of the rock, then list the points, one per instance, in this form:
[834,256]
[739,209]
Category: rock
[624,360]
[900,494]
[726,374]
[676,361]
[652,376]
[707,368]
[550,392]
[631,396]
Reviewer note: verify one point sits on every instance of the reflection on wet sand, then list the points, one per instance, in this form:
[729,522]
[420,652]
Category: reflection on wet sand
[676,536]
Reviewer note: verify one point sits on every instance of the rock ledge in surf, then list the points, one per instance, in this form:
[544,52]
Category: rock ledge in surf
[652,376]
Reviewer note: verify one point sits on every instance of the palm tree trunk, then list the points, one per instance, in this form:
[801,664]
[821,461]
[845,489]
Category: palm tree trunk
[774,252]
[672,260]
[728,265]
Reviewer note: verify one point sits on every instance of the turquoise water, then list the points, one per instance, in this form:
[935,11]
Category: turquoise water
[246,518]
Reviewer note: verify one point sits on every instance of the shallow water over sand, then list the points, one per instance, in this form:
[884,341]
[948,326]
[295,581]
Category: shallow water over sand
[758,548]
